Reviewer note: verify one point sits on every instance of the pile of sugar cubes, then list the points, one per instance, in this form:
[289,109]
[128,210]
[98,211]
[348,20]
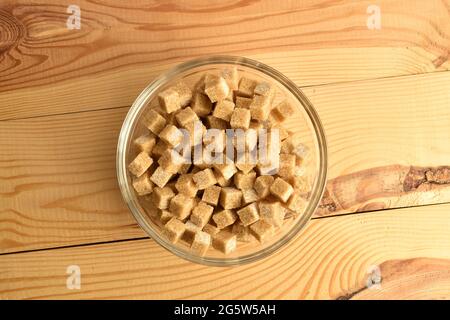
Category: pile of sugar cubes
[216,206]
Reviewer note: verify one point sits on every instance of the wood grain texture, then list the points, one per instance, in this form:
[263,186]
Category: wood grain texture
[332,258]
[46,68]
[58,183]
[409,279]
[379,188]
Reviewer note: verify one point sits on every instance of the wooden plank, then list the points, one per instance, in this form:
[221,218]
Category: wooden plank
[388,142]
[44,67]
[410,279]
[332,258]
[58,183]
[57,174]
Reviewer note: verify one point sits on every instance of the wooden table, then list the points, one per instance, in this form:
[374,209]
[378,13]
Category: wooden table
[383,228]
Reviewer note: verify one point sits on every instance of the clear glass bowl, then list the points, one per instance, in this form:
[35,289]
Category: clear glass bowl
[305,123]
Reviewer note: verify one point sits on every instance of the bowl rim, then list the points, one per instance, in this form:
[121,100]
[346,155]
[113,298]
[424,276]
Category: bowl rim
[140,102]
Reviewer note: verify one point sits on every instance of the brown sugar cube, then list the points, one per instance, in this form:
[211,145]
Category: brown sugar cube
[160,148]
[287,165]
[221,181]
[154,105]
[294,146]
[256,125]
[283,111]
[195,169]
[271,212]
[260,108]
[249,196]
[244,180]
[201,243]
[171,135]
[246,87]
[170,118]
[300,151]
[201,104]
[171,185]
[201,214]
[202,165]
[173,230]
[245,167]
[216,88]
[171,161]
[230,96]
[262,185]
[186,115]
[204,179]
[248,214]
[143,185]
[267,169]
[240,118]
[242,102]
[262,230]
[287,145]
[265,89]
[181,206]
[190,230]
[225,242]
[216,123]
[296,203]
[300,184]
[230,198]
[186,185]
[184,93]
[281,189]
[154,121]
[165,216]
[283,132]
[169,100]
[210,229]
[245,163]
[184,168]
[224,218]
[242,232]
[146,142]
[196,130]
[196,200]
[161,197]
[224,110]
[199,85]
[175,97]
[211,195]
[226,169]
[160,177]
[231,76]
[140,164]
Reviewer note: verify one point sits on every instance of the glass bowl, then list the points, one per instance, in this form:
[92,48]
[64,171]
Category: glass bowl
[304,123]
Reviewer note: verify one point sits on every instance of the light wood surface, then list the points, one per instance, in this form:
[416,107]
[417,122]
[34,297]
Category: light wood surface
[332,258]
[383,97]
[58,172]
[313,42]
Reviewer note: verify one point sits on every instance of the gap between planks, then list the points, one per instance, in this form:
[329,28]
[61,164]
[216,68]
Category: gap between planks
[65,211]
[88,244]
[300,87]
